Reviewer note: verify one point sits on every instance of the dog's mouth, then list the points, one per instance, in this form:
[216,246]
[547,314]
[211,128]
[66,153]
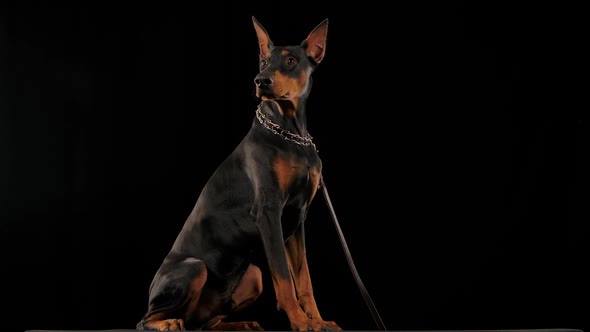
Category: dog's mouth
[271,96]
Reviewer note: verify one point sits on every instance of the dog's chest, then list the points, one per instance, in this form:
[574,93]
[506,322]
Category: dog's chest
[298,175]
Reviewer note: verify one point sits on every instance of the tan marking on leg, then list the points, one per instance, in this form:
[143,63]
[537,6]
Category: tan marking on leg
[297,260]
[286,298]
[195,291]
[248,289]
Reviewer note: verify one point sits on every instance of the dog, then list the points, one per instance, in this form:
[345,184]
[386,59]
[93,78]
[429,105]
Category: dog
[255,203]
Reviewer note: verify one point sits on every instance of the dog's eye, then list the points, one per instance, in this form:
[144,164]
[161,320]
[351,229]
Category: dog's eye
[263,63]
[291,61]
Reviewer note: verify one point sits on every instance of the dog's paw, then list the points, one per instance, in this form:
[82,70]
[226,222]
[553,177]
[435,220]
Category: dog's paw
[252,326]
[330,326]
[316,325]
[164,325]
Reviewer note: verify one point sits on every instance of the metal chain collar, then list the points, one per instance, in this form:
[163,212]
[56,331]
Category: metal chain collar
[284,133]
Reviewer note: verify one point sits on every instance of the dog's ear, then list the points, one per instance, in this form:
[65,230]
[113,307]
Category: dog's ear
[264,41]
[315,43]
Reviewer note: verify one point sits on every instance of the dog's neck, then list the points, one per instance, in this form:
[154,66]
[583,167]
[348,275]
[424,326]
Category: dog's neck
[287,114]
[290,129]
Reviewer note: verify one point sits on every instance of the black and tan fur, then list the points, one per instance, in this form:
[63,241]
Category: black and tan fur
[254,203]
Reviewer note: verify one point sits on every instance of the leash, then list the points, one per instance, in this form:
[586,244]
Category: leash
[357,277]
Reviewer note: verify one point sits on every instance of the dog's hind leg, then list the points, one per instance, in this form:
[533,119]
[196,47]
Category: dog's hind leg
[174,294]
[246,292]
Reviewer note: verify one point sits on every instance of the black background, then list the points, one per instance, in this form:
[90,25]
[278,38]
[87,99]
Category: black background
[452,153]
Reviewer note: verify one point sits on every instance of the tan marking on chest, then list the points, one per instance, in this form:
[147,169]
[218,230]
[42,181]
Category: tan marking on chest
[286,171]
[314,176]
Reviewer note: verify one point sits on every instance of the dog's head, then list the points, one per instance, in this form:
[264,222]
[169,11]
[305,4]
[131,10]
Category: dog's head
[285,71]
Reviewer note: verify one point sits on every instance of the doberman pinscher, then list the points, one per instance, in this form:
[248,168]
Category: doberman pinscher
[254,203]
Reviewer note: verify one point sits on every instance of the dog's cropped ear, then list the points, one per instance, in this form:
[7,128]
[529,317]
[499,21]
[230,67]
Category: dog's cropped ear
[264,41]
[315,43]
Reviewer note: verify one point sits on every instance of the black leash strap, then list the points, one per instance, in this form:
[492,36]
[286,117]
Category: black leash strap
[357,277]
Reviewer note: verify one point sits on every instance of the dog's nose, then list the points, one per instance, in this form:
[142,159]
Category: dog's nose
[263,81]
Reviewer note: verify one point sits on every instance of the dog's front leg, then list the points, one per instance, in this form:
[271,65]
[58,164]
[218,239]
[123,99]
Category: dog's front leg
[299,269]
[268,218]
